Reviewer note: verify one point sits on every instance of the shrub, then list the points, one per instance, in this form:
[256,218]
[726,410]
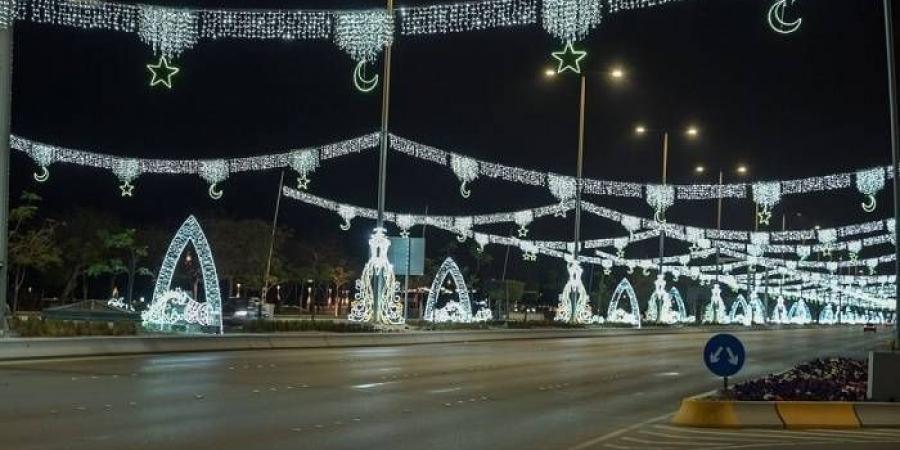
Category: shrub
[278,326]
[36,327]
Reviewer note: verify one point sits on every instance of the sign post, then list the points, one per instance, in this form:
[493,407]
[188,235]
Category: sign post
[724,356]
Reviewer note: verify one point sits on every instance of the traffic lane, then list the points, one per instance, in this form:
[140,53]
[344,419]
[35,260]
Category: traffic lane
[539,394]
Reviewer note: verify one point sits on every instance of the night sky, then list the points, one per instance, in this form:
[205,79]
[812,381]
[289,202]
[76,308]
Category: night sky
[810,103]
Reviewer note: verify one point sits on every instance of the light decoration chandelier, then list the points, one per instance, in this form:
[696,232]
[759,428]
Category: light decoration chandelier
[799,313]
[766,196]
[304,162]
[869,182]
[376,298]
[659,306]
[174,310]
[363,35]
[715,311]
[574,303]
[214,172]
[570,21]
[780,313]
[466,169]
[660,197]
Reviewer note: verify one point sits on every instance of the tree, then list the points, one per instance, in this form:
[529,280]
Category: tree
[32,245]
[125,254]
[82,245]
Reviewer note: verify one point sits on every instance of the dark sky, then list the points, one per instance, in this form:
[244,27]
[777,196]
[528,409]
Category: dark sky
[809,103]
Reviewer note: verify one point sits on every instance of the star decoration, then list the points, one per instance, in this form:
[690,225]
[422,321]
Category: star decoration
[694,247]
[127,189]
[620,253]
[403,233]
[303,182]
[560,213]
[763,216]
[569,58]
[523,231]
[162,72]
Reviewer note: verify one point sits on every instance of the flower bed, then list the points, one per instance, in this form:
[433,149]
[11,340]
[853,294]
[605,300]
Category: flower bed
[829,379]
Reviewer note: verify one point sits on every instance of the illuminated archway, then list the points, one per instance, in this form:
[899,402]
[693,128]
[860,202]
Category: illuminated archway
[614,314]
[799,313]
[172,309]
[746,316]
[453,311]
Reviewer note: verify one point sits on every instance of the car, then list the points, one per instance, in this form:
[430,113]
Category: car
[239,310]
[870,327]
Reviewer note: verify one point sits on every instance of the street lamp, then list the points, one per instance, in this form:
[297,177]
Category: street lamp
[615,74]
[740,170]
[690,132]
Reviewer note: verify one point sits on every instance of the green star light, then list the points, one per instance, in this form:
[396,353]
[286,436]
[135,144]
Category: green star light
[162,72]
[569,58]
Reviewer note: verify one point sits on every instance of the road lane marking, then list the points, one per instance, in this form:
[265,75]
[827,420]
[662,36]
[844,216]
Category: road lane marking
[656,444]
[608,436]
[371,385]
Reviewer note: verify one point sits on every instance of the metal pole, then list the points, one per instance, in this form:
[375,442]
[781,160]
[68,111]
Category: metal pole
[6,61]
[719,228]
[382,158]
[662,228]
[265,288]
[895,146]
[579,168]
[503,277]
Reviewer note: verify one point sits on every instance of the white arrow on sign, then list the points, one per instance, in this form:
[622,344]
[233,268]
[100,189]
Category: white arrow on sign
[714,357]
[732,358]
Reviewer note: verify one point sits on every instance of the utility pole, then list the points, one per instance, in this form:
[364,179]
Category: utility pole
[265,285]
[895,149]
[6,61]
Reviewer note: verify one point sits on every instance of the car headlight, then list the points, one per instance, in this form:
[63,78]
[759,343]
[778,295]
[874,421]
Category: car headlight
[240,313]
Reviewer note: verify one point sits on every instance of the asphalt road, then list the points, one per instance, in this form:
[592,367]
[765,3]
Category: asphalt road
[537,394]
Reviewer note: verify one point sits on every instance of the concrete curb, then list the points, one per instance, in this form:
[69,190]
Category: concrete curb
[702,412]
[13,349]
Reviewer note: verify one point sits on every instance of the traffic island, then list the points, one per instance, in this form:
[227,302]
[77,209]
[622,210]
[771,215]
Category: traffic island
[825,393]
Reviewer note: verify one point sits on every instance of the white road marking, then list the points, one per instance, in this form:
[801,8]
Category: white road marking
[613,434]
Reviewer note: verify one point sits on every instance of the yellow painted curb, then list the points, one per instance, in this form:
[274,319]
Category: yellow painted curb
[695,412]
[817,414]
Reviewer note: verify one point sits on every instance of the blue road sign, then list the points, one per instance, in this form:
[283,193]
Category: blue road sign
[724,355]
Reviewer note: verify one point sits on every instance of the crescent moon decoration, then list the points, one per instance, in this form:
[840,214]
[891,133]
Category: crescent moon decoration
[464,190]
[215,193]
[346,225]
[870,204]
[43,175]
[659,216]
[776,18]
[359,78]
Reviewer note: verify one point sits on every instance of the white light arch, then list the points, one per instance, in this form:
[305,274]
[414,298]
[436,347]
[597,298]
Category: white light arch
[826,316]
[746,316]
[799,313]
[453,311]
[163,295]
[616,315]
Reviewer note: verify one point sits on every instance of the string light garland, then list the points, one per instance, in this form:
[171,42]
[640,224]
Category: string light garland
[169,308]
[129,169]
[626,5]
[468,16]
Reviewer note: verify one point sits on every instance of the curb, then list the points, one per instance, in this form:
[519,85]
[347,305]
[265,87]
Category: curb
[701,412]
[23,349]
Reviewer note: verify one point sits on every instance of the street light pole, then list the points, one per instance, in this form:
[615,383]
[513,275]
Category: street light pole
[6,54]
[895,148]
[578,171]
[662,227]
